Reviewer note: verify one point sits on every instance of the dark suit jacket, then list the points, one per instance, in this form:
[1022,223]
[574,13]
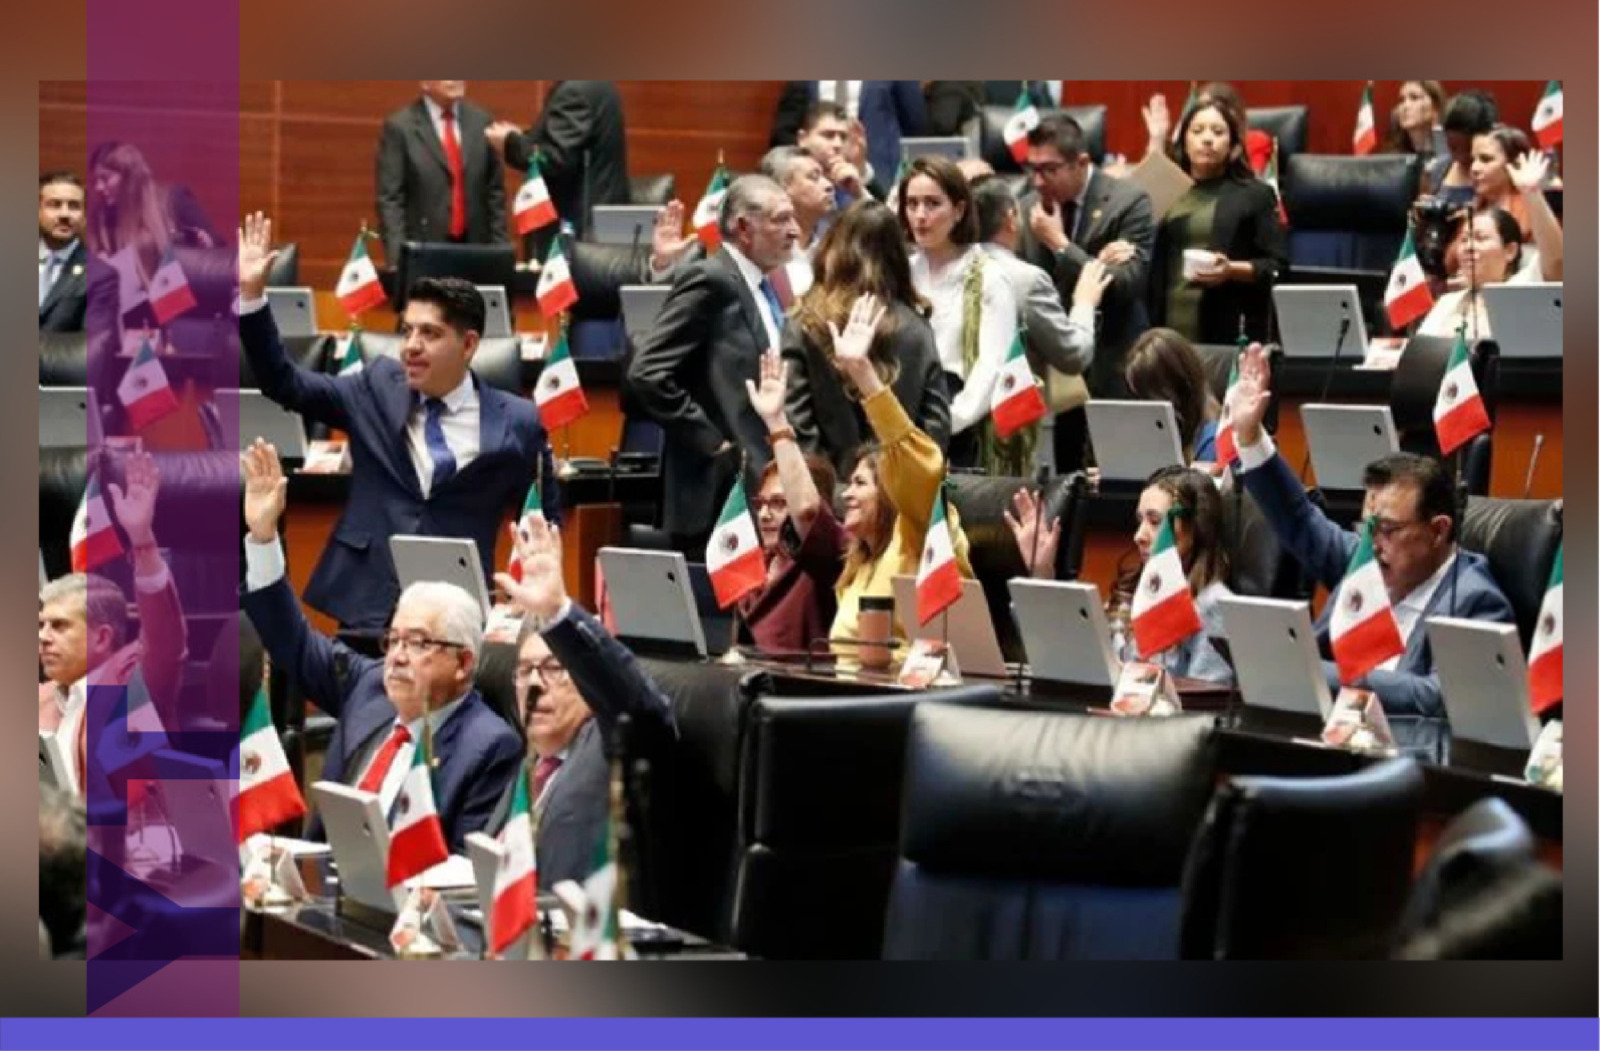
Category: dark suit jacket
[1113,210]
[582,141]
[414,180]
[478,753]
[827,421]
[1410,693]
[573,813]
[1245,228]
[688,374]
[67,301]
[952,103]
[889,109]
[355,580]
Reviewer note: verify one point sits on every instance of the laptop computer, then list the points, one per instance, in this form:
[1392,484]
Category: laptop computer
[261,417]
[294,311]
[640,305]
[64,417]
[1344,439]
[623,224]
[1133,439]
[1064,631]
[359,836]
[955,147]
[453,560]
[1274,652]
[971,629]
[1311,317]
[1483,678]
[653,602]
[1525,319]
[497,311]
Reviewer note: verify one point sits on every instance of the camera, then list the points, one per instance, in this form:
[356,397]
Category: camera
[1434,224]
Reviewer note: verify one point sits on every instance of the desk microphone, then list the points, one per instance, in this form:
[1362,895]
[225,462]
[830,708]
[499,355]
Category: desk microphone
[1533,461]
[1327,379]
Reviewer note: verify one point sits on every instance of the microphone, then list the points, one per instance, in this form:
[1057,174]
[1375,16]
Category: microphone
[1327,379]
[1472,270]
[584,220]
[1460,516]
[1533,461]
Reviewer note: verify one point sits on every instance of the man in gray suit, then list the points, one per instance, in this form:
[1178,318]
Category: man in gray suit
[1076,213]
[438,180]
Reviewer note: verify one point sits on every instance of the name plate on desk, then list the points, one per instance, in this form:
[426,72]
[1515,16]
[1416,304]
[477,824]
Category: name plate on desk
[1544,762]
[1145,690]
[327,457]
[424,927]
[534,347]
[1358,723]
[930,663]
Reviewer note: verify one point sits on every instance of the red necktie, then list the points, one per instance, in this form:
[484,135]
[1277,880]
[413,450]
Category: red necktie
[458,179]
[372,780]
[543,771]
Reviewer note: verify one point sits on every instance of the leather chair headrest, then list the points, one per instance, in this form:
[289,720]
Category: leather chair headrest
[599,271]
[63,359]
[212,274]
[1354,194]
[63,474]
[1415,387]
[1519,538]
[656,188]
[495,680]
[992,128]
[309,352]
[497,361]
[1060,797]
[1287,124]
[285,270]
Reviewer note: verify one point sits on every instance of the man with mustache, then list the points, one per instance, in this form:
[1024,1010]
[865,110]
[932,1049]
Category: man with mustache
[423,686]
[63,289]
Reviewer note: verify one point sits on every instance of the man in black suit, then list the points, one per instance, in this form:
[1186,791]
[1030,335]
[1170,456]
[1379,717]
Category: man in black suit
[63,288]
[1076,213]
[688,371]
[437,178]
[574,683]
[583,151]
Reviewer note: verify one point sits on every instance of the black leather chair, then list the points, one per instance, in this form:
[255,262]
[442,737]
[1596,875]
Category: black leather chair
[1513,914]
[496,681]
[1302,868]
[497,361]
[285,270]
[819,821]
[599,272]
[1414,391]
[981,501]
[1348,212]
[656,188]
[63,359]
[309,352]
[63,474]
[1481,844]
[1217,359]
[1520,539]
[1287,124]
[992,139]
[1045,836]
[481,264]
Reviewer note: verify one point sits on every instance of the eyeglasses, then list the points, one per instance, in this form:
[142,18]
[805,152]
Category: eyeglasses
[778,505]
[415,645]
[1387,528]
[1046,169]
[549,670]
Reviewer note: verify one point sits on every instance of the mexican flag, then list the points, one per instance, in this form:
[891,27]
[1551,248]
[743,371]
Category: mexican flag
[532,207]
[1164,612]
[170,294]
[1270,177]
[350,354]
[1362,630]
[1188,108]
[1408,296]
[560,396]
[1544,657]
[1365,139]
[94,541]
[1016,401]
[1024,118]
[733,555]
[516,884]
[144,390]
[268,794]
[1227,441]
[531,505]
[594,933]
[1458,412]
[1547,118]
[557,291]
[416,840]
[359,289]
[938,575]
[705,213]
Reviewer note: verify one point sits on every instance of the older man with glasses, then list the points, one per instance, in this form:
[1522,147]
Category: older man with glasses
[421,689]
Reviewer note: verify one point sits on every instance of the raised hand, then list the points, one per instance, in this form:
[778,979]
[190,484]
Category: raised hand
[850,347]
[1035,541]
[1093,280]
[135,504]
[1529,171]
[767,398]
[1157,122]
[855,146]
[256,255]
[542,590]
[667,240]
[266,490]
[1252,395]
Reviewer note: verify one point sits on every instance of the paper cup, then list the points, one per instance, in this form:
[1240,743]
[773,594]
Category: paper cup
[1197,261]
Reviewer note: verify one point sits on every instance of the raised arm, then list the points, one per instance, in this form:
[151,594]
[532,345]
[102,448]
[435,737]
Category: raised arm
[794,476]
[162,636]
[1528,174]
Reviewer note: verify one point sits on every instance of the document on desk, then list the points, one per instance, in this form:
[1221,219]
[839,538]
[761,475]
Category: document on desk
[453,873]
[295,848]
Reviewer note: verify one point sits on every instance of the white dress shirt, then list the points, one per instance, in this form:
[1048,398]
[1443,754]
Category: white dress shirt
[71,703]
[996,332]
[51,262]
[436,115]
[752,278]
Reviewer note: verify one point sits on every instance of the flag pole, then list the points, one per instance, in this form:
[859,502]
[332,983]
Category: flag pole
[732,655]
[566,470]
[615,832]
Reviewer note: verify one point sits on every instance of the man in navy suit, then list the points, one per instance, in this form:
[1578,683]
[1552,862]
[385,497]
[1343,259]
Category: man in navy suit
[435,451]
[886,110]
[423,685]
[1414,542]
[574,682]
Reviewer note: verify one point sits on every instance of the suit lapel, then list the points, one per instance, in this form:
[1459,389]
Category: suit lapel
[422,127]
[747,300]
[366,722]
[492,423]
[63,278]
[1093,222]
[471,139]
[394,400]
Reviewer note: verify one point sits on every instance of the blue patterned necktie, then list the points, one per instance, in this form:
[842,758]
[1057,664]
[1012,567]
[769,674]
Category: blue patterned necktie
[444,461]
[774,304]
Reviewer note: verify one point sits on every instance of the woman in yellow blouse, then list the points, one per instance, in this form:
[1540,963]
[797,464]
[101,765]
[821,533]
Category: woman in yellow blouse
[888,495]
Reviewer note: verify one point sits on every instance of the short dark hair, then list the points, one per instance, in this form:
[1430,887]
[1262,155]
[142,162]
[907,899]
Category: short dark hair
[822,108]
[993,200]
[1435,494]
[459,301]
[1470,112]
[60,175]
[63,867]
[1061,132]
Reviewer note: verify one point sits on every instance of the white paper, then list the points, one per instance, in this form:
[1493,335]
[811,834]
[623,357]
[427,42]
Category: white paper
[452,873]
